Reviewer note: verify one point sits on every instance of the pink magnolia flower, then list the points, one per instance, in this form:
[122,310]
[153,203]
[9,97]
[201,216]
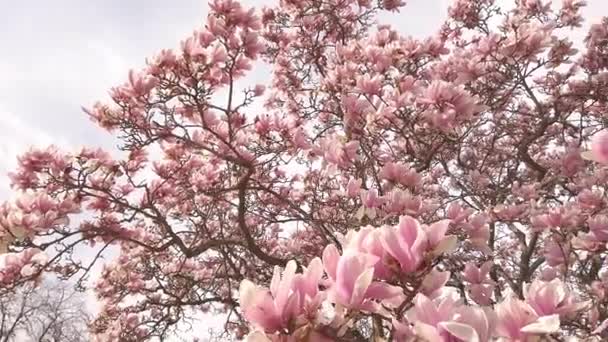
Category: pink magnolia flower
[589,199]
[140,83]
[395,202]
[391,171]
[572,161]
[259,89]
[480,275]
[289,296]
[22,264]
[369,86]
[457,213]
[548,274]
[517,321]
[352,284]
[300,140]
[433,283]
[587,242]
[563,217]
[402,331]
[551,297]
[392,5]
[509,212]
[598,226]
[556,253]
[371,199]
[437,241]
[446,320]
[527,191]
[378,57]
[478,232]
[353,187]
[371,202]
[410,178]
[405,243]
[450,104]
[599,148]
[337,153]
[480,285]
[481,293]
[408,242]
[401,174]
[302,334]
[368,240]
[400,202]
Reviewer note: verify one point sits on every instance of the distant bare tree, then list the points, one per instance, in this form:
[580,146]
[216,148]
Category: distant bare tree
[49,312]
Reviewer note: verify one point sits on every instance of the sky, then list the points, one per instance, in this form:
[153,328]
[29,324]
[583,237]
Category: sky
[60,55]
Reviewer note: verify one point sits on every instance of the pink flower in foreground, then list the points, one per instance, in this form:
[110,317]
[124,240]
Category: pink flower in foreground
[446,320]
[405,243]
[368,240]
[352,276]
[599,148]
[517,321]
[434,282]
[289,296]
[551,297]
[259,336]
[408,241]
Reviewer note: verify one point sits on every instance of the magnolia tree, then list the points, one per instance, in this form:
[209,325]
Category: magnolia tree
[445,189]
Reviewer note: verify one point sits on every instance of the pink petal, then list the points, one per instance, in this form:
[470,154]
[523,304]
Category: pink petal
[599,147]
[462,331]
[543,325]
[361,284]
[330,260]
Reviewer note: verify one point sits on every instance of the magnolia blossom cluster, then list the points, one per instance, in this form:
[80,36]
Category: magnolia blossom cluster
[359,282]
[31,214]
[356,279]
[21,265]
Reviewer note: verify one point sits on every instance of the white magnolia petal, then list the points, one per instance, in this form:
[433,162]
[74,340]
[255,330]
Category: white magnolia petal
[448,244]
[543,325]
[247,293]
[361,284]
[464,332]
[257,336]
[587,155]
[427,332]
